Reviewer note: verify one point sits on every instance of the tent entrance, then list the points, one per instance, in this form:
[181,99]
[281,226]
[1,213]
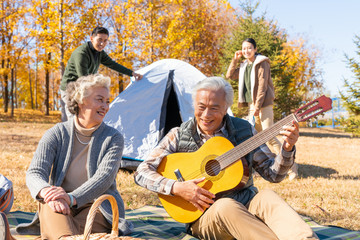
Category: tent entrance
[170,111]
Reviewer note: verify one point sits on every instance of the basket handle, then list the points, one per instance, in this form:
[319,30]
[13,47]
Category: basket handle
[92,213]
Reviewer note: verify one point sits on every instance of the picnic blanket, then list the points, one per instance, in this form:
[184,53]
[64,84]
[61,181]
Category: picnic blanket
[153,222]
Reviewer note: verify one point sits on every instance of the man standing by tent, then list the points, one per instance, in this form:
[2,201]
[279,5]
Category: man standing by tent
[244,213]
[85,60]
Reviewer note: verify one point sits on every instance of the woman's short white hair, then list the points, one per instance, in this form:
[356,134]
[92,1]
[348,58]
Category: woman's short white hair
[77,90]
[215,84]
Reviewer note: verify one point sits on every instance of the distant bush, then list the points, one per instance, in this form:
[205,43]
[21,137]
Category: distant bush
[329,122]
[351,124]
[239,112]
[324,122]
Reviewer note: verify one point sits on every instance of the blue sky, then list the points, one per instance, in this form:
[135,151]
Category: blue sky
[329,25]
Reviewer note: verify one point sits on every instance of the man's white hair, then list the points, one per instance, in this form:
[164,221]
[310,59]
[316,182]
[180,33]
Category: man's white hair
[215,84]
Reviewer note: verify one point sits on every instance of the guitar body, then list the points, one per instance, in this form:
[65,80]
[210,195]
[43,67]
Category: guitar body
[202,163]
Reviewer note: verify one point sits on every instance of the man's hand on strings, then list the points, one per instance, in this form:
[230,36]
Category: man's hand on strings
[290,134]
[190,191]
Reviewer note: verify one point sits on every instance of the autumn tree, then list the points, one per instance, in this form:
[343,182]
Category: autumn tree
[122,21]
[141,32]
[141,27]
[60,27]
[45,15]
[10,13]
[13,42]
[196,30]
[297,78]
[146,31]
[189,30]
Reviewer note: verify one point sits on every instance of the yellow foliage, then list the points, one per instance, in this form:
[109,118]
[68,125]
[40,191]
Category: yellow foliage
[300,63]
[4,71]
[141,32]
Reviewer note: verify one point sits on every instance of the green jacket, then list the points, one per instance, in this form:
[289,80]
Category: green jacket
[82,63]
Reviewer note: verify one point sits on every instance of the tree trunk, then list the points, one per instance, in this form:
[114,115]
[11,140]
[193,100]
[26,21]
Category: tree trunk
[15,87]
[54,94]
[121,82]
[6,88]
[47,85]
[6,93]
[12,92]
[30,87]
[62,46]
[36,83]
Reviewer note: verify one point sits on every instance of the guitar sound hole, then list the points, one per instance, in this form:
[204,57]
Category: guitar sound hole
[212,168]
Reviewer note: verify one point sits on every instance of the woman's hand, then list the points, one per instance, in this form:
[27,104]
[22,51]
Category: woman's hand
[59,206]
[190,191]
[238,55]
[290,136]
[54,193]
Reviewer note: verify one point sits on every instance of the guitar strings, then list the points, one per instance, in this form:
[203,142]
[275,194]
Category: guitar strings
[247,146]
[262,137]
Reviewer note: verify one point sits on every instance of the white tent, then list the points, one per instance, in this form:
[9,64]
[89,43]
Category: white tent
[146,110]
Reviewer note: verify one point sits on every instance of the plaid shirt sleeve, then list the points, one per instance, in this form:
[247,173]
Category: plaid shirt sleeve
[271,167]
[146,175]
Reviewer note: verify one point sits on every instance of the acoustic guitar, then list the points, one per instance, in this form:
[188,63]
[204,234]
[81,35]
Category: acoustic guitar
[223,165]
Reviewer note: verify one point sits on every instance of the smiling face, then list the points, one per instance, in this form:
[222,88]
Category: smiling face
[99,41]
[94,107]
[248,51]
[210,109]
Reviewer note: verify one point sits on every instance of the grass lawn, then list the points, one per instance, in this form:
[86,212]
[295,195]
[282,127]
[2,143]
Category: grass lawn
[327,190]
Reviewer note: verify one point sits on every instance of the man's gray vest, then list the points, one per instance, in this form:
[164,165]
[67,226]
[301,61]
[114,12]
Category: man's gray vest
[239,130]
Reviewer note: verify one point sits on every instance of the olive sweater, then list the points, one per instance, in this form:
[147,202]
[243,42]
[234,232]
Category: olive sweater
[82,63]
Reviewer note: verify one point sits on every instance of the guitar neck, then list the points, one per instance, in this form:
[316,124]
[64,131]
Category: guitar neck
[252,143]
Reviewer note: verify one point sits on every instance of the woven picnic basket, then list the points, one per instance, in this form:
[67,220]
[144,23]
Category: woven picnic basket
[90,220]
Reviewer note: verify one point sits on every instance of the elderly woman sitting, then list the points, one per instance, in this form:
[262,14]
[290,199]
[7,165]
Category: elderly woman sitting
[76,162]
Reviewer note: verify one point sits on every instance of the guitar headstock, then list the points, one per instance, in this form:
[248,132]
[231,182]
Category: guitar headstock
[313,108]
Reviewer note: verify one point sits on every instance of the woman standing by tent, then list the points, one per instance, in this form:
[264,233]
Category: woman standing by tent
[256,89]
[76,162]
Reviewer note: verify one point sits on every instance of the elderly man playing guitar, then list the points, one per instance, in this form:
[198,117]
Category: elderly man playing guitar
[220,203]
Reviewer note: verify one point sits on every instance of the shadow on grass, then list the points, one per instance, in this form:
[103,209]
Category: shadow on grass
[325,135]
[306,170]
